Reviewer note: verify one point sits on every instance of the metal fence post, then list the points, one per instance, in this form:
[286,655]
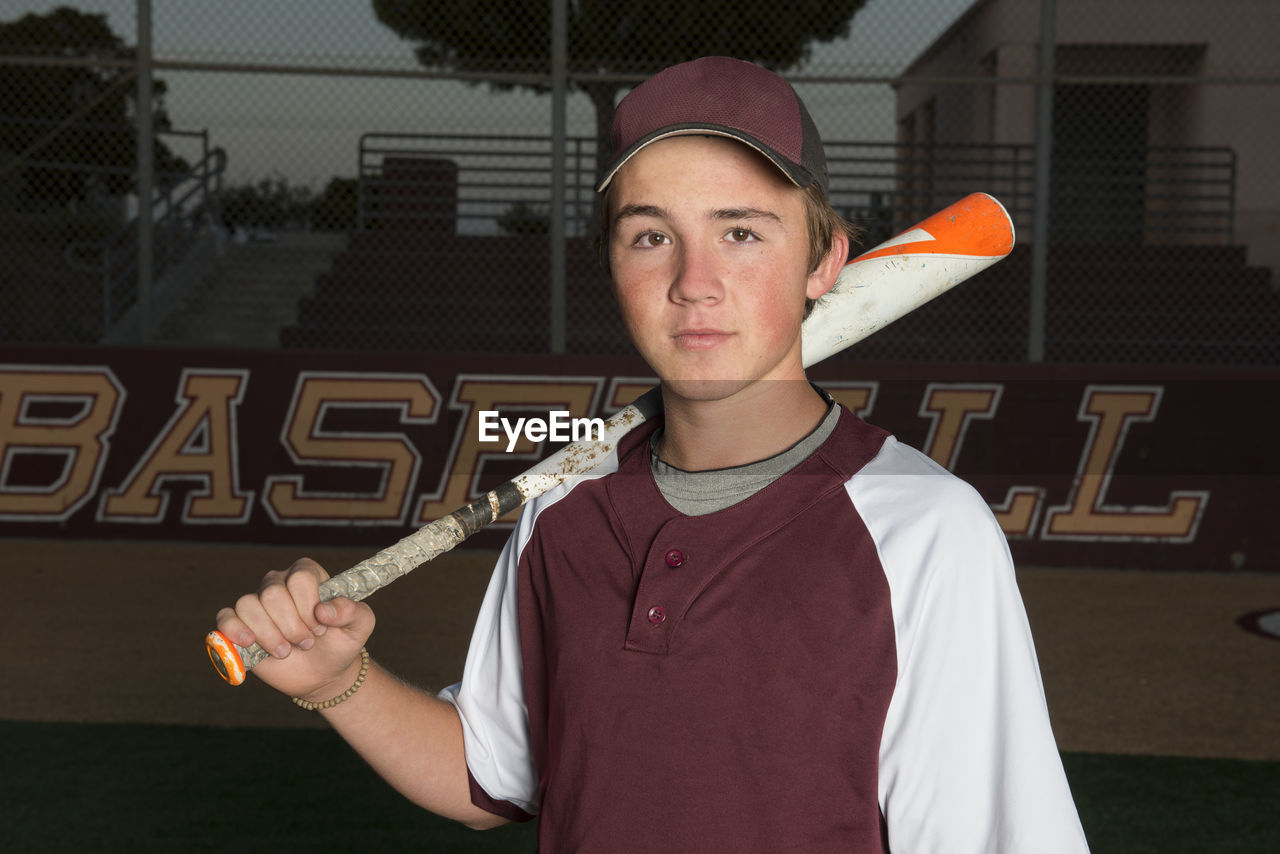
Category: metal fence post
[169,220]
[1043,175]
[106,291]
[146,163]
[559,150]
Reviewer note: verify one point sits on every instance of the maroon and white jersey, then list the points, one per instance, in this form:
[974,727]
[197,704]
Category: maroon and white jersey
[841,661]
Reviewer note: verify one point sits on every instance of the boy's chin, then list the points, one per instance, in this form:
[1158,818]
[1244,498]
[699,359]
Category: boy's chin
[704,389]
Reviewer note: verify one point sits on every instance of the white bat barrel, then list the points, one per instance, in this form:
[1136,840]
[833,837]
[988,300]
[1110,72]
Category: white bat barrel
[881,291]
[906,271]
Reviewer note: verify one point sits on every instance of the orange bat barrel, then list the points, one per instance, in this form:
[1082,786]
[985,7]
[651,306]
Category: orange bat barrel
[906,271]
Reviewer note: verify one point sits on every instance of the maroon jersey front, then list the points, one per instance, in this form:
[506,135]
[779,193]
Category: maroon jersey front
[709,683]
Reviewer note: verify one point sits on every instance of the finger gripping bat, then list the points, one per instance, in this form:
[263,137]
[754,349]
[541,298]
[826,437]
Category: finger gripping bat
[873,290]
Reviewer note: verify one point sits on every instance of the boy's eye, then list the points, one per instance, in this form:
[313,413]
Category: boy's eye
[651,238]
[740,235]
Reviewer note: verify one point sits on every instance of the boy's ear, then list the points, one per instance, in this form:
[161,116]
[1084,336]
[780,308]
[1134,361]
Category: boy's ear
[824,276]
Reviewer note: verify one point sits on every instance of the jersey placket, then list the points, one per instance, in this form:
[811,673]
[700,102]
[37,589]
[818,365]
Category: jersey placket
[675,570]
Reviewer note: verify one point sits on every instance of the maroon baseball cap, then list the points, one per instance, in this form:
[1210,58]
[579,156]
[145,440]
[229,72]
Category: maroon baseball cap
[721,96]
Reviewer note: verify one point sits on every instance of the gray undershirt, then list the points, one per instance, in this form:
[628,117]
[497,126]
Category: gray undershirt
[697,493]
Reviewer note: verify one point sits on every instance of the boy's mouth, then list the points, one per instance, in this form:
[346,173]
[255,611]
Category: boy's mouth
[700,339]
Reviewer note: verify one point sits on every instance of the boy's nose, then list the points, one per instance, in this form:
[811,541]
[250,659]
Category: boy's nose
[697,278]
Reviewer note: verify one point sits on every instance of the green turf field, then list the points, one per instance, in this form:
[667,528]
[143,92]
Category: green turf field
[136,788]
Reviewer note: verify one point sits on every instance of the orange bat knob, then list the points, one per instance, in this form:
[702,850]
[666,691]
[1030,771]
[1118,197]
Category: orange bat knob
[225,657]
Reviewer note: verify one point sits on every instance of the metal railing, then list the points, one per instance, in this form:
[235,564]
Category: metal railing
[185,203]
[889,186]
[481,183]
[495,184]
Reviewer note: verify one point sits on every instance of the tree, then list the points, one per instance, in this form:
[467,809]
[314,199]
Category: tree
[524,218]
[35,101]
[271,203]
[335,208]
[612,37]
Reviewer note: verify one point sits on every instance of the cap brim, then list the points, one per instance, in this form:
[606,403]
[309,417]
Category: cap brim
[796,176]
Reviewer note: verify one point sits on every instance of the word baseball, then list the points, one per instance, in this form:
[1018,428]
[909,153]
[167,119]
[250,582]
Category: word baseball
[560,427]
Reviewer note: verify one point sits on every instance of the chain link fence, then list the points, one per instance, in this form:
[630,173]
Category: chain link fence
[380,175]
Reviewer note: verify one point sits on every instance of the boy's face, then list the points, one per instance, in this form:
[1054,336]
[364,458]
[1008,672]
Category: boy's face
[709,252]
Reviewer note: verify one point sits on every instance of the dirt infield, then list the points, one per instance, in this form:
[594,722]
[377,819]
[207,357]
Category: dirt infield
[1133,662]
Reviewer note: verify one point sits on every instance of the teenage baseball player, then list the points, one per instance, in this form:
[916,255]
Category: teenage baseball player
[762,624]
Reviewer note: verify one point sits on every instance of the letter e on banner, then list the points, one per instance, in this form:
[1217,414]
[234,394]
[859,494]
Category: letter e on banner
[623,391]
[474,394]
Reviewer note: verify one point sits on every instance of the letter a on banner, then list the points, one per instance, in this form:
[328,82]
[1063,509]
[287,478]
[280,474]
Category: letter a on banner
[198,444]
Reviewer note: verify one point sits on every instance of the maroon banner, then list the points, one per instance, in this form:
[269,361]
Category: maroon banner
[1083,466]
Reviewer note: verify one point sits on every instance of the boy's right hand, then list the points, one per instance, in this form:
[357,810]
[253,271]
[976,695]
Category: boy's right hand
[314,646]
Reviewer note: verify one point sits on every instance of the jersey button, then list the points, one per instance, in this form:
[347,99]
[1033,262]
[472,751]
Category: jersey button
[675,558]
[657,615]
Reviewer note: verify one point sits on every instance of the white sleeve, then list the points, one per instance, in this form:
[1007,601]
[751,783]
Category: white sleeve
[968,762]
[490,698]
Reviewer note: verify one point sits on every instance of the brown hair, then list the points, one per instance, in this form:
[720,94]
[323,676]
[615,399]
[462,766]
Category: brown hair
[824,224]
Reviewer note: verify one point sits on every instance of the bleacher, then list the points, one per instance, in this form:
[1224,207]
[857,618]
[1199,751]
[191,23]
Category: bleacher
[400,290]
[396,289]
[1114,304]
[410,281]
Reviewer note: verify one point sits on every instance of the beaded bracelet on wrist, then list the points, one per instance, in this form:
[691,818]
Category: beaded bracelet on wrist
[345,695]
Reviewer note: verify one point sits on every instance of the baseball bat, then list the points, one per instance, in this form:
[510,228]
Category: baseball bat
[872,291]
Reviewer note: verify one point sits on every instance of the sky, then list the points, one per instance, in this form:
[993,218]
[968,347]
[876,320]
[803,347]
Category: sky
[306,129]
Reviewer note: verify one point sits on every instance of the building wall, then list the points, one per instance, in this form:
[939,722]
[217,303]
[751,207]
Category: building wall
[1220,43]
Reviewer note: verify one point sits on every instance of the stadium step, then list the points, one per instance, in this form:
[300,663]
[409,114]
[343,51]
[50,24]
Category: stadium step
[252,293]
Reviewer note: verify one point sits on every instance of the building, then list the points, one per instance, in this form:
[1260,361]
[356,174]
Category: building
[1165,116]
